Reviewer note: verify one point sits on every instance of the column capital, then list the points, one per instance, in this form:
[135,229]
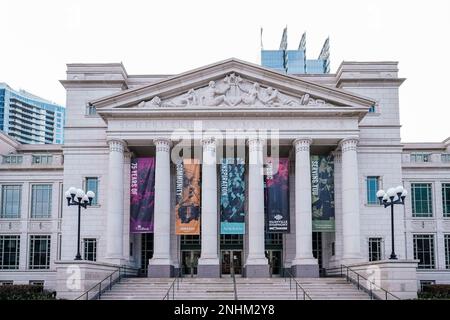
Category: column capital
[162,144]
[208,141]
[302,144]
[349,144]
[255,141]
[117,145]
[337,156]
[162,140]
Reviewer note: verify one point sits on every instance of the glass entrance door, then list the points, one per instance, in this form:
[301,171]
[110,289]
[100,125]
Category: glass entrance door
[275,261]
[317,247]
[146,251]
[231,259]
[189,262]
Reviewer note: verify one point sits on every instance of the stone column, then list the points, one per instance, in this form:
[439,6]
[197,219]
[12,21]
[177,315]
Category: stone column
[350,202]
[256,264]
[208,264]
[304,263]
[160,266]
[115,196]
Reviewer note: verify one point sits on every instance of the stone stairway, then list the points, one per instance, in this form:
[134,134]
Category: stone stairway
[222,289]
[138,289]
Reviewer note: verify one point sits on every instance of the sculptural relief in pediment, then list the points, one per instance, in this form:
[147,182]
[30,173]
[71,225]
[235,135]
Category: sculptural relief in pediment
[233,91]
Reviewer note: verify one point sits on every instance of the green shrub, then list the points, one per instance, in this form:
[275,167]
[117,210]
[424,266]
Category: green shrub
[25,292]
[435,291]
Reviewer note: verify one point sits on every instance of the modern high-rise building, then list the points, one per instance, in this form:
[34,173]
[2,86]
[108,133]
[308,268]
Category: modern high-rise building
[295,61]
[30,119]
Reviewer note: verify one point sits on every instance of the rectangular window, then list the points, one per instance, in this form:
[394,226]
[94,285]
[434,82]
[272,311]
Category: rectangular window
[424,250]
[39,252]
[90,249]
[445,157]
[42,159]
[372,188]
[372,109]
[91,110]
[420,157]
[11,196]
[273,239]
[447,251]
[92,185]
[12,159]
[231,239]
[9,252]
[446,199]
[375,249]
[41,201]
[421,200]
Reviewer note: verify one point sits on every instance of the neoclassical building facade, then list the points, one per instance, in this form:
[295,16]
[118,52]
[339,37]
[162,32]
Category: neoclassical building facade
[339,138]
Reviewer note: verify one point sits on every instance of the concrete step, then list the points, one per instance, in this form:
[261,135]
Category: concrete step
[223,289]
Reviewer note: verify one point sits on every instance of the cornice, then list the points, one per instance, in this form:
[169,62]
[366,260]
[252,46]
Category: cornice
[81,84]
[368,82]
[141,113]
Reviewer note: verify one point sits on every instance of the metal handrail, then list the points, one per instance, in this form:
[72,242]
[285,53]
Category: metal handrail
[234,284]
[358,283]
[172,286]
[306,296]
[100,287]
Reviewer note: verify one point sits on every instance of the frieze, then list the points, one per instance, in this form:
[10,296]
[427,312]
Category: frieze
[233,91]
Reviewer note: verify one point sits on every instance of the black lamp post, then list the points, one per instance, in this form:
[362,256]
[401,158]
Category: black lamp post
[77,197]
[390,198]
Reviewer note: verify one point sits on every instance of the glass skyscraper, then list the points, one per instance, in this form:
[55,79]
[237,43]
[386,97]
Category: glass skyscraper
[30,119]
[295,61]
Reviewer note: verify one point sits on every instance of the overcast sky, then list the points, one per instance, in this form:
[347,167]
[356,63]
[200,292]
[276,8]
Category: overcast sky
[39,37]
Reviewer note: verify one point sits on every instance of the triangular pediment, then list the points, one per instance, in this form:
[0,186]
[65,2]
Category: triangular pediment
[232,84]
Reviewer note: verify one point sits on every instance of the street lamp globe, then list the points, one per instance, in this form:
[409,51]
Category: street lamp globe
[80,194]
[85,199]
[399,190]
[90,194]
[391,192]
[72,191]
[380,194]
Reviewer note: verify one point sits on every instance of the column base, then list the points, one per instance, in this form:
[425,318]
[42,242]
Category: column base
[208,271]
[257,271]
[160,271]
[305,270]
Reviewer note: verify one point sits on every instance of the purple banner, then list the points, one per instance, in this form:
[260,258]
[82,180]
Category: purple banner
[276,195]
[142,195]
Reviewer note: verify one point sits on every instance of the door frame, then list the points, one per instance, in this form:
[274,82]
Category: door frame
[193,269]
[231,252]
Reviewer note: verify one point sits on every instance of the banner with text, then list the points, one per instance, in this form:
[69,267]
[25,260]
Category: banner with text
[187,209]
[322,189]
[142,195]
[232,196]
[276,195]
